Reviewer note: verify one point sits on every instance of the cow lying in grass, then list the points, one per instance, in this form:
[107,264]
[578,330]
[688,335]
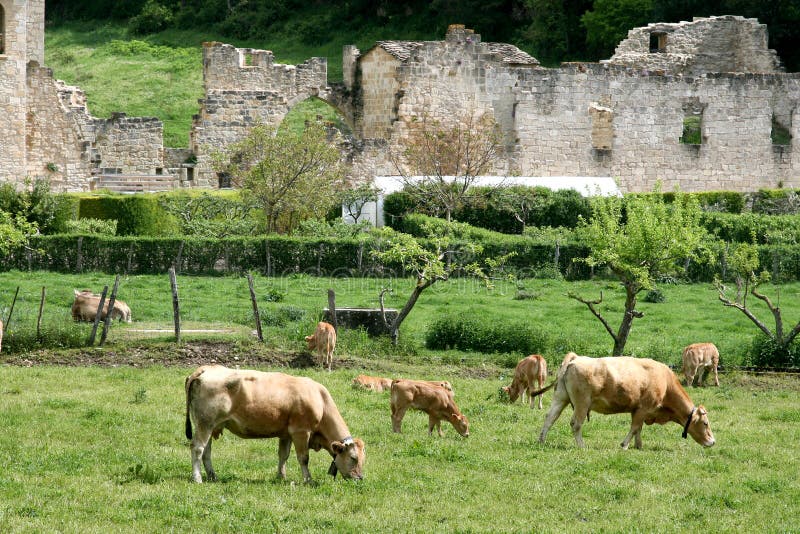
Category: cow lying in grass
[432,399]
[86,303]
[253,404]
[644,388]
[372,383]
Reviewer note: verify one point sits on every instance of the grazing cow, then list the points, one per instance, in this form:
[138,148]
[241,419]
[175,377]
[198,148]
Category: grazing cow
[373,383]
[646,389]
[252,404]
[324,340]
[698,360]
[86,303]
[432,399]
[530,370]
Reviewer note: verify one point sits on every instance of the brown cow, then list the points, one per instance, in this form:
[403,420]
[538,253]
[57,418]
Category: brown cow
[645,388]
[324,340]
[253,404]
[434,400]
[86,303]
[698,360]
[373,383]
[530,370]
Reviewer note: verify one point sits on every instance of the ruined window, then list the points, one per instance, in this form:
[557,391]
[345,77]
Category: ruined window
[2,30]
[190,173]
[602,126]
[224,180]
[658,42]
[159,170]
[692,122]
[780,135]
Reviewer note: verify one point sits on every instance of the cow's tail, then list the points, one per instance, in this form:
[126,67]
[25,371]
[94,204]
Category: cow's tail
[188,385]
[543,390]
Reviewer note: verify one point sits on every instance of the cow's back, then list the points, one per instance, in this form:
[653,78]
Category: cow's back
[615,384]
[701,354]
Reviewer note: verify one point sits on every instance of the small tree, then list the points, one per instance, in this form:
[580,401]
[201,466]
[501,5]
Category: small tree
[291,176]
[15,232]
[355,199]
[427,266]
[447,157]
[744,263]
[644,244]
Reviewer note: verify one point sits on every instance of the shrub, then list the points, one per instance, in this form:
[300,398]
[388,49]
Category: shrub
[765,352]
[151,19]
[136,215]
[282,316]
[465,331]
[654,296]
[92,226]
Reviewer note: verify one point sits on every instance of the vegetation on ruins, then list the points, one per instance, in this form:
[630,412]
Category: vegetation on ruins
[290,176]
[641,246]
[442,159]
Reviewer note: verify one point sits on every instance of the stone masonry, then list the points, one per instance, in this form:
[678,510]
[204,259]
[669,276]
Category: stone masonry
[625,117]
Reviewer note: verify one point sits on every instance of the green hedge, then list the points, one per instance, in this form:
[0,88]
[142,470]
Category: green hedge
[135,214]
[741,228]
[468,332]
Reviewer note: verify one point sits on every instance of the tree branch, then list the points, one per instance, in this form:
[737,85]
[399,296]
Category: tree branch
[590,304]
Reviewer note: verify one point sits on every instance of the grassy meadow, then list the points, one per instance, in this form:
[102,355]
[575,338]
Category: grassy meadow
[90,449]
[291,306]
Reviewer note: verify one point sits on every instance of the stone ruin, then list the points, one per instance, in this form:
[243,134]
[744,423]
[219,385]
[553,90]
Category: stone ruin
[624,117]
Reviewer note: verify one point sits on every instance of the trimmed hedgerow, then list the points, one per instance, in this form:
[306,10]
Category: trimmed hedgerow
[466,331]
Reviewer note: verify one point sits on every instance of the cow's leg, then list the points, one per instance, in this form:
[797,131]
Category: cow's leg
[716,377]
[284,448]
[397,418]
[702,378]
[200,442]
[579,414]
[434,422]
[300,440]
[329,358]
[637,421]
[541,395]
[556,408]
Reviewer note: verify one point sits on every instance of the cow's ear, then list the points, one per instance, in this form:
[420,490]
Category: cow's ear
[337,447]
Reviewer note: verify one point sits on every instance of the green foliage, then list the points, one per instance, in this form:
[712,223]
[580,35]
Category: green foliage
[745,227]
[336,229]
[137,215]
[692,131]
[283,315]
[766,352]
[14,232]
[37,205]
[608,23]
[291,177]
[468,331]
[92,226]
[153,17]
[777,202]
[211,215]
[780,134]
[55,333]
[654,295]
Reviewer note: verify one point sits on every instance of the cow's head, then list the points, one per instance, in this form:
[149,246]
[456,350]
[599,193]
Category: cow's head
[311,341]
[348,458]
[699,428]
[460,423]
[511,392]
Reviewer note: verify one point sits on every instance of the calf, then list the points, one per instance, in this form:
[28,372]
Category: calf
[324,340]
[644,388]
[86,304]
[434,400]
[530,370]
[252,404]
[698,360]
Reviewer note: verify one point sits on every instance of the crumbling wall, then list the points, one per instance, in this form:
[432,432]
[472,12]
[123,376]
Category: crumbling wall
[130,145]
[13,152]
[713,44]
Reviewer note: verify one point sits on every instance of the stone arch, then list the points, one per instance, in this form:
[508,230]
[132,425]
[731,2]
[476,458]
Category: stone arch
[306,107]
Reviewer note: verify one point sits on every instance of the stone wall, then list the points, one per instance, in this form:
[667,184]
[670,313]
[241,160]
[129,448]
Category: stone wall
[13,108]
[130,145]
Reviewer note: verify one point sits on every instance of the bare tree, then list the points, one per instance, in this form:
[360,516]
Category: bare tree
[441,160]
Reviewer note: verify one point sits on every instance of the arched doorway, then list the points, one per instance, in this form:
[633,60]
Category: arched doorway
[314,108]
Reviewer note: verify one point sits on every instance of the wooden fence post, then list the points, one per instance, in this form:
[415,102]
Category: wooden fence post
[97,315]
[176,307]
[107,322]
[8,319]
[332,309]
[256,315]
[39,318]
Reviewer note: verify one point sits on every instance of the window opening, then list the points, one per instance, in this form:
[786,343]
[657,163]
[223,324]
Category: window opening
[692,122]
[658,43]
[224,180]
[780,134]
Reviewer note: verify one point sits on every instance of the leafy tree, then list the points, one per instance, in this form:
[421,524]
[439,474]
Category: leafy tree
[15,231]
[208,215]
[744,264]
[609,21]
[440,161]
[355,199]
[290,176]
[427,265]
[640,244]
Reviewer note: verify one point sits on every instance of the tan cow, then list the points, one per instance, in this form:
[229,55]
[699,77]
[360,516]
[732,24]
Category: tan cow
[529,371]
[646,389]
[324,340]
[253,404]
[698,360]
[432,399]
[86,303]
[372,383]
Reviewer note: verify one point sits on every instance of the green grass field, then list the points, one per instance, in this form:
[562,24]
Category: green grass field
[690,313]
[92,449]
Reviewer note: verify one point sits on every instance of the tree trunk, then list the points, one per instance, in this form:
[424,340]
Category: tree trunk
[418,289]
[627,319]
